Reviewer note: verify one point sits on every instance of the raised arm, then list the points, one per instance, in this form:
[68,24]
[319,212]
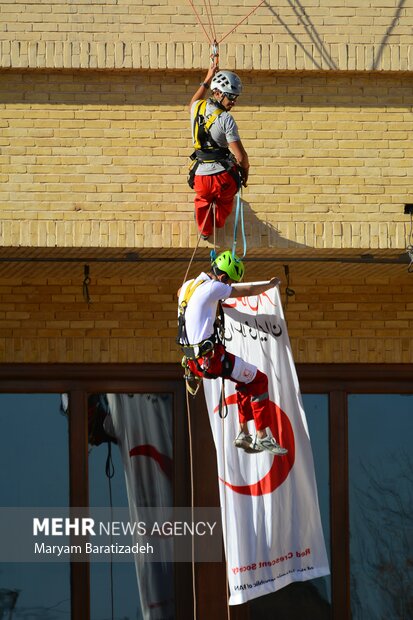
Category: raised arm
[246,290]
[203,88]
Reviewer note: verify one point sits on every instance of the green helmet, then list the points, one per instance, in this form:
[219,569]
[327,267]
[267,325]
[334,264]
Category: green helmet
[230,264]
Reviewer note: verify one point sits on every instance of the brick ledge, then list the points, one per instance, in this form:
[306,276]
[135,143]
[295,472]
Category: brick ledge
[129,55]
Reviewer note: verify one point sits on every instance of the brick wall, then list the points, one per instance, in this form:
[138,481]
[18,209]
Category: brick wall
[48,320]
[94,145]
[339,313]
[363,319]
[100,159]
[318,34]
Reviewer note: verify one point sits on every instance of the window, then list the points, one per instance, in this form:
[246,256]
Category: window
[370,417]
[34,466]
[56,469]
[360,423]
[380,487]
[316,410]
[133,436]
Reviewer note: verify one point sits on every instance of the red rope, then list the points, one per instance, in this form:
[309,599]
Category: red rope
[208,10]
[199,21]
[242,21]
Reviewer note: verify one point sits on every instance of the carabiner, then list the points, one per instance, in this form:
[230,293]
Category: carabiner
[214,51]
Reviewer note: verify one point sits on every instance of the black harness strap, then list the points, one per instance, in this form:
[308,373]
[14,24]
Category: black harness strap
[210,151]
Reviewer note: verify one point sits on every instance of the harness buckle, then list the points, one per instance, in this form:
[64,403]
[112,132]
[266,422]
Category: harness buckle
[192,382]
[194,351]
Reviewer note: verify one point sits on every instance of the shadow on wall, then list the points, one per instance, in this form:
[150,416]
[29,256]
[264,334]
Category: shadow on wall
[315,39]
[316,42]
[259,232]
[395,22]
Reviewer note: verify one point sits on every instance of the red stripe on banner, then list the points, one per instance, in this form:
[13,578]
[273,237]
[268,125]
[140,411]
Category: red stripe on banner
[164,462]
[282,430]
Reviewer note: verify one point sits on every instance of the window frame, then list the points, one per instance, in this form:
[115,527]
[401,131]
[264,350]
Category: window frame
[335,380]
[78,381]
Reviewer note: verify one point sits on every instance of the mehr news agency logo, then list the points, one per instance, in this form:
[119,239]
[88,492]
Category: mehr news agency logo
[87,527]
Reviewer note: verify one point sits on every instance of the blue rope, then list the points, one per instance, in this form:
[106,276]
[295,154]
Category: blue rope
[239,215]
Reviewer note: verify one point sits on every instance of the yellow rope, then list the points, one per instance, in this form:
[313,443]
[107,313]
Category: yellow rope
[197,244]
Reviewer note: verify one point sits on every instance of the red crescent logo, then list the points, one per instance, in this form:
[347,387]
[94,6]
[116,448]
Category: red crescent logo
[281,429]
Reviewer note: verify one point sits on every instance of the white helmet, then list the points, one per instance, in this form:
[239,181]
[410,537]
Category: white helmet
[227,82]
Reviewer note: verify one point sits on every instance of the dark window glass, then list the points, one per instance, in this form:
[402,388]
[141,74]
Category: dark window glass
[381,479]
[34,472]
[316,410]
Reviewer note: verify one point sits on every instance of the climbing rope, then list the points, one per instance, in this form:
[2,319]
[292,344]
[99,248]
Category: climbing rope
[191,467]
[110,472]
[289,292]
[197,244]
[188,410]
[214,210]
[210,17]
[409,247]
[200,22]
[211,36]
[225,515]
[223,406]
[85,286]
[239,215]
[241,22]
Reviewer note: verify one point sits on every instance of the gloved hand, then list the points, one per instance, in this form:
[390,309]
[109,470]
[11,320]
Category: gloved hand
[244,175]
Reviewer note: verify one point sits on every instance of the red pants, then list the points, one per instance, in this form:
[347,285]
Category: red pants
[252,398]
[218,188]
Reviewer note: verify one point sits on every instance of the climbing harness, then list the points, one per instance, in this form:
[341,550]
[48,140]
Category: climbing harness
[192,285]
[202,125]
[194,352]
[214,50]
[192,381]
[207,151]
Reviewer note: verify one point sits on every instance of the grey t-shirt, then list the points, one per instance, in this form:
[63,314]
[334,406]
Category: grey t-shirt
[223,130]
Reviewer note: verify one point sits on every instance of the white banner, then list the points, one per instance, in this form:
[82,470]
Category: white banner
[270,514]
[142,425]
